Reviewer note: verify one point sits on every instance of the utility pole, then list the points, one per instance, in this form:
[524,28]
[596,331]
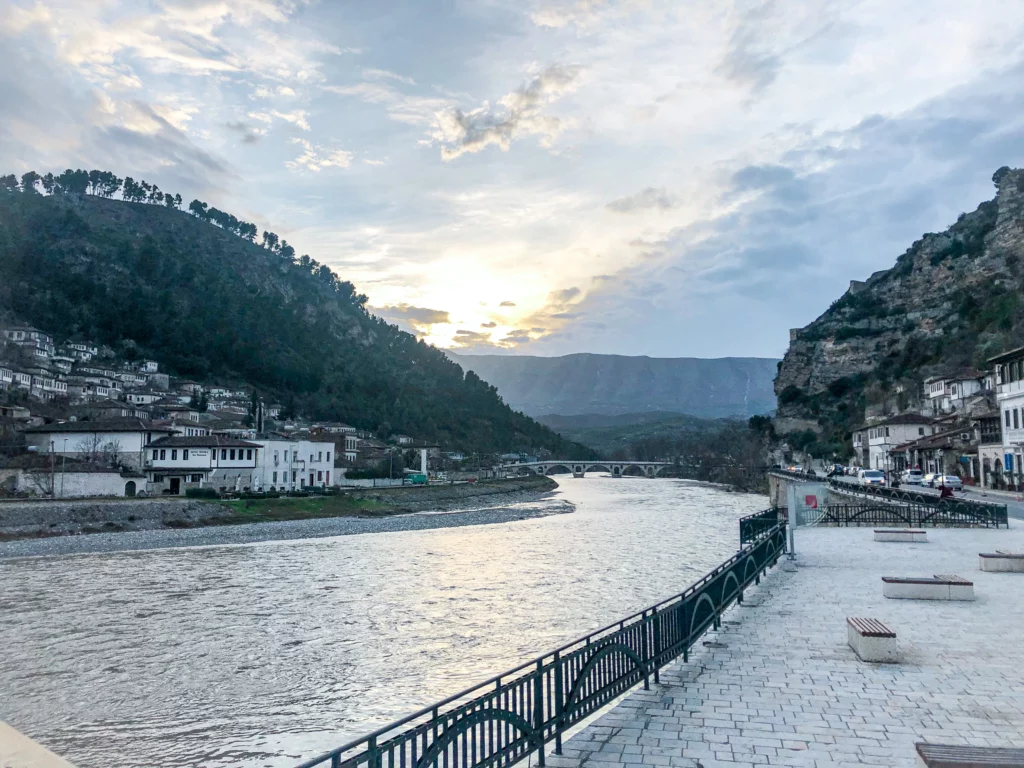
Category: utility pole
[63,466]
[52,479]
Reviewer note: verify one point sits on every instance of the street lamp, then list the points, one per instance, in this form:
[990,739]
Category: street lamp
[63,466]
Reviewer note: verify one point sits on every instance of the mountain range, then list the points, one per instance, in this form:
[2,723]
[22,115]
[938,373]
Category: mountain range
[617,384]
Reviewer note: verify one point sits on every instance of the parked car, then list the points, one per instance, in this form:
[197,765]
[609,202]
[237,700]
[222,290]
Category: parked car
[871,477]
[912,477]
[852,471]
[950,481]
[929,479]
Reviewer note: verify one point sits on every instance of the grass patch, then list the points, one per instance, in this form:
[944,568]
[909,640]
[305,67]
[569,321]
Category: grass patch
[308,508]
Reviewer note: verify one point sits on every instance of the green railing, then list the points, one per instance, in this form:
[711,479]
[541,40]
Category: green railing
[517,713]
[753,527]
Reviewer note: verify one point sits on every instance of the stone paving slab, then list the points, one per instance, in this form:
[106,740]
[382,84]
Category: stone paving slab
[782,687]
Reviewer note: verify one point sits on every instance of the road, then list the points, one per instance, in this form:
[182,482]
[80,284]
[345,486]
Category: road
[1014,508]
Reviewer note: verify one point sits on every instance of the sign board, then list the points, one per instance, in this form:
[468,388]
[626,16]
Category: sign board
[806,503]
[1008,462]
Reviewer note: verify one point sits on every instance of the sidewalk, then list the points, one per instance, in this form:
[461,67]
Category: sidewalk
[778,685]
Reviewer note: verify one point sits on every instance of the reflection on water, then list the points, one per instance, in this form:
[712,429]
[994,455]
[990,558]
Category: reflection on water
[262,654]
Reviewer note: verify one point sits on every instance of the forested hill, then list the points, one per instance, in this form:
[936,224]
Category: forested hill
[206,301]
[950,302]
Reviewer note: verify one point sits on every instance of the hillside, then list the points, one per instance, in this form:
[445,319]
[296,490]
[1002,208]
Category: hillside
[609,435]
[154,281]
[616,384]
[951,301]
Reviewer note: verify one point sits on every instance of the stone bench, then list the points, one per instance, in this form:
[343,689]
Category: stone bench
[956,756]
[871,640]
[901,534]
[939,587]
[1001,562]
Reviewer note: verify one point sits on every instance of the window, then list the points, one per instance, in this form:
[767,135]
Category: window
[275,457]
[920,430]
[248,454]
[1007,414]
[163,454]
[328,476]
[174,454]
[320,456]
[1016,423]
[184,454]
[196,478]
[294,473]
[223,453]
[886,431]
[156,453]
[328,457]
[275,478]
[232,454]
[311,458]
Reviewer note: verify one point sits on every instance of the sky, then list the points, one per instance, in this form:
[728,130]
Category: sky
[543,176]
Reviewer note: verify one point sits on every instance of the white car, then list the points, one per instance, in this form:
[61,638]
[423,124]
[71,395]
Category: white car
[871,477]
[950,481]
[912,477]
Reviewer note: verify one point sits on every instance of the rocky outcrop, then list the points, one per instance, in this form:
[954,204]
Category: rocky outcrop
[950,301]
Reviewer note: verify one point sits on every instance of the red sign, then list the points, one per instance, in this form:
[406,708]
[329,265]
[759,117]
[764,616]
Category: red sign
[811,502]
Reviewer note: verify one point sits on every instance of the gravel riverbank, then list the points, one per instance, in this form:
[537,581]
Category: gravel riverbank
[447,507]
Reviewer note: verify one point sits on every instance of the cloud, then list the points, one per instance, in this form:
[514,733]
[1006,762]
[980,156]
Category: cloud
[507,304]
[250,134]
[401,107]
[491,324]
[413,319]
[465,338]
[561,14]
[749,60]
[314,157]
[564,296]
[296,118]
[461,132]
[646,199]
[383,74]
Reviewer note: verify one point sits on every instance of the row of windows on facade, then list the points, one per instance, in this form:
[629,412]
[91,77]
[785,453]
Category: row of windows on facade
[295,456]
[295,477]
[873,433]
[223,454]
[1011,372]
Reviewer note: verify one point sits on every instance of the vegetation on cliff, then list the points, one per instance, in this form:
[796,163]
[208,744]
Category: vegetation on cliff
[194,292]
[950,302]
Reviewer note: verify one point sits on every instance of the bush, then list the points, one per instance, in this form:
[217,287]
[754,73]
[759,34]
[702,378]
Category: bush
[791,394]
[201,493]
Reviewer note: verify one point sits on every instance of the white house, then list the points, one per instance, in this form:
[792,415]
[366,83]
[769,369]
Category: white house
[291,465]
[946,394]
[36,475]
[149,366]
[121,440]
[142,397]
[1010,402]
[26,337]
[176,463]
[6,378]
[874,442]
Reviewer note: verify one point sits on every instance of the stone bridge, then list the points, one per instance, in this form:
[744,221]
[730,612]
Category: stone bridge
[580,468]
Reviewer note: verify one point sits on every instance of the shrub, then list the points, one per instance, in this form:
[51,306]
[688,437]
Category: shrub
[201,493]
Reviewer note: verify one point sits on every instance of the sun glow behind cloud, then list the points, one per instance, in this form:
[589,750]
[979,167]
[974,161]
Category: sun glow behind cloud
[622,176]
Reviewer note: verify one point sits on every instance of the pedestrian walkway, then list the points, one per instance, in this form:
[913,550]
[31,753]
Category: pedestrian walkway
[778,684]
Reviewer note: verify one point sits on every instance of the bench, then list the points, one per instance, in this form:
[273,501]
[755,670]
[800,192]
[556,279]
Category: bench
[871,640]
[943,586]
[956,756]
[901,534]
[1001,562]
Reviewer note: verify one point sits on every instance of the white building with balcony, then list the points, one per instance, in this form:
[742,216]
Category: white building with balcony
[291,465]
[946,394]
[1009,369]
[38,343]
[873,443]
[175,463]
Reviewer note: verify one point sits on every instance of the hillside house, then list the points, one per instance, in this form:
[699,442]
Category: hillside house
[946,394]
[6,378]
[874,443]
[121,441]
[1009,368]
[30,339]
[175,463]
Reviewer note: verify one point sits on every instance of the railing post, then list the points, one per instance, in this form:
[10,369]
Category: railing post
[644,651]
[372,755]
[538,710]
[559,704]
[656,619]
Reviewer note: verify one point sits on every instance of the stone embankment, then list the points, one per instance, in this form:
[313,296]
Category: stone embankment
[33,519]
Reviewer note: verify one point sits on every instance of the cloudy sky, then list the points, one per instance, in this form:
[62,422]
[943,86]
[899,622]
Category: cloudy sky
[543,176]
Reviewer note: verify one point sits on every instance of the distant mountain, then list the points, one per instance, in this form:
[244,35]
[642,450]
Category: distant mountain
[608,434]
[207,302]
[616,384]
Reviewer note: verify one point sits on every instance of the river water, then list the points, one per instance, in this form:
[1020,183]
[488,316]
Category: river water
[266,654]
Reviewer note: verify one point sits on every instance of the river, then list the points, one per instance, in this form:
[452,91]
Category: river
[265,654]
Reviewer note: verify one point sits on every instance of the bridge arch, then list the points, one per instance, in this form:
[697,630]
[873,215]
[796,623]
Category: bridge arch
[473,719]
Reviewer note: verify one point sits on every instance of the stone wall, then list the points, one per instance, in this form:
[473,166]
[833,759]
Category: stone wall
[55,518]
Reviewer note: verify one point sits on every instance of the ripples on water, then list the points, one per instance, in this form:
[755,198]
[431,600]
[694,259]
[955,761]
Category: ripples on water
[259,655]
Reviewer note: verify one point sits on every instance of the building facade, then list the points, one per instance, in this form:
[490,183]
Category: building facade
[1009,368]
[174,464]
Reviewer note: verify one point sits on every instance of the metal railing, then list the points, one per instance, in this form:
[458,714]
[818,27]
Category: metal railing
[944,515]
[505,719]
[950,511]
[753,527]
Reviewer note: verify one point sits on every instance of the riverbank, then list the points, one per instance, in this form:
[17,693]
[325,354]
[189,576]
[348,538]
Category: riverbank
[778,684]
[62,526]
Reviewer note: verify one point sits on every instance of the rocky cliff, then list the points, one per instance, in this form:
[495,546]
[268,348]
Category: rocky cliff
[951,301]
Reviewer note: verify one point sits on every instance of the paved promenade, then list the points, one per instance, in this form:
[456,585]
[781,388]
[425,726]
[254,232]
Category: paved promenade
[778,684]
